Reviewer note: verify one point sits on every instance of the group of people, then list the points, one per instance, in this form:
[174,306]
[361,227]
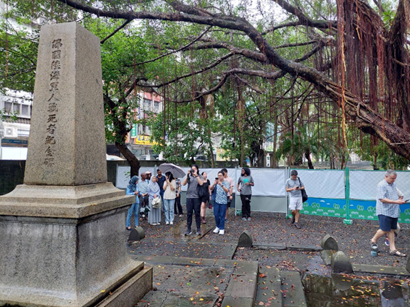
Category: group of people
[146,191]
[200,194]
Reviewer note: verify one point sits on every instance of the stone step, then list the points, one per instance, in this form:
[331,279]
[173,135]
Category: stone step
[242,285]
[269,285]
[292,289]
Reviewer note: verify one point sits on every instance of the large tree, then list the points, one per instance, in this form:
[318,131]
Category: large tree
[346,52]
[370,77]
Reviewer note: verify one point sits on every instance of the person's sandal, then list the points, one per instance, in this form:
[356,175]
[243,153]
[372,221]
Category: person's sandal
[397,253]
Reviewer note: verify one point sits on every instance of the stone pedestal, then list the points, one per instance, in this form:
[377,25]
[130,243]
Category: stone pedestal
[62,233]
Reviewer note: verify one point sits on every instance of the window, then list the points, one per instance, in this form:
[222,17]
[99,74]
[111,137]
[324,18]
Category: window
[147,105]
[156,106]
[7,106]
[16,107]
[25,110]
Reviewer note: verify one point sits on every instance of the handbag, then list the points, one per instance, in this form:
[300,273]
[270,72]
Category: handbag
[201,191]
[304,194]
[156,203]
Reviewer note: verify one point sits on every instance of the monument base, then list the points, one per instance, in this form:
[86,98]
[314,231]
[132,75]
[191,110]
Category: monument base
[65,246]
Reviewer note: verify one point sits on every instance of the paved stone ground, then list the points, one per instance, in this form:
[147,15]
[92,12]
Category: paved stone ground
[204,277]
[271,228]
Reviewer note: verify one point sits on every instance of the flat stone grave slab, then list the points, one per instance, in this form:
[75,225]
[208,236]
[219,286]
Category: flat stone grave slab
[380,269]
[195,250]
[180,285]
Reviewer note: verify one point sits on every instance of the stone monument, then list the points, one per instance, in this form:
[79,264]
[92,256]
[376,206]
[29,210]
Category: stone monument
[62,232]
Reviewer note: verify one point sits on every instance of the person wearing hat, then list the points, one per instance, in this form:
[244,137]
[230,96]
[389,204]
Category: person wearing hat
[294,187]
[132,189]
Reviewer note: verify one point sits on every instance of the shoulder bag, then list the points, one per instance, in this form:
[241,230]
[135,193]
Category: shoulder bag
[304,194]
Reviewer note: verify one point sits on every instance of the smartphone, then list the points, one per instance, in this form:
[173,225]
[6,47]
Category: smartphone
[407,200]
[216,178]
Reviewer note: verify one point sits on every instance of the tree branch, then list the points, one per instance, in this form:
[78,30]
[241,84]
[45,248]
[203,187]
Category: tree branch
[175,51]
[123,25]
[304,20]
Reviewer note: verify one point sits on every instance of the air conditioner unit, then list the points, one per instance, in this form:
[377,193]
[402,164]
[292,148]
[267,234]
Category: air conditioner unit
[10,132]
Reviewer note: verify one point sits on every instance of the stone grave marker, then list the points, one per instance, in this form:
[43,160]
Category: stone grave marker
[62,232]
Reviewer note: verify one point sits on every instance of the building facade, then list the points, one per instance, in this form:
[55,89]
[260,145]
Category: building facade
[15,109]
[140,137]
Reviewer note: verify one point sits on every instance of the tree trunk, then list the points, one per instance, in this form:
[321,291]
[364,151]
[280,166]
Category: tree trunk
[130,157]
[275,140]
[307,156]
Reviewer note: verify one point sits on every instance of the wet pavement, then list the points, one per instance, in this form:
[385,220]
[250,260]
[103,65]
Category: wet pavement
[187,271]
[272,228]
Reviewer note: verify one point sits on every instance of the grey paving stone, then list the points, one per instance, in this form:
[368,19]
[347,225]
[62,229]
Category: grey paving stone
[292,289]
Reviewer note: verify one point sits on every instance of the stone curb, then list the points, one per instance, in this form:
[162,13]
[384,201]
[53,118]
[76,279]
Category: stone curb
[294,247]
[379,269]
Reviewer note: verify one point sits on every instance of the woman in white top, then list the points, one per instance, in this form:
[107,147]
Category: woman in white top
[169,197]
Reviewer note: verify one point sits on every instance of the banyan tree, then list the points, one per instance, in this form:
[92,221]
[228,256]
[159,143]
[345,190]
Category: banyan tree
[358,54]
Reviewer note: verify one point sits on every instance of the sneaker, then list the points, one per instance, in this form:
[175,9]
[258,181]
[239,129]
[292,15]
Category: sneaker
[249,219]
[167,223]
[222,231]
[180,215]
[374,246]
[243,219]
[216,230]
[188,233]
[198,233]
[293,219]
[171,223]
[387,243]
[226,220]
[297,225]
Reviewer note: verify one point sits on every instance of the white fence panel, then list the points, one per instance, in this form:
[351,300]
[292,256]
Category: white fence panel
[363,184]
[323,183]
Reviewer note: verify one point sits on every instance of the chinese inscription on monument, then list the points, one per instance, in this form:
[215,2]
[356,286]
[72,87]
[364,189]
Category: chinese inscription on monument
[50,140]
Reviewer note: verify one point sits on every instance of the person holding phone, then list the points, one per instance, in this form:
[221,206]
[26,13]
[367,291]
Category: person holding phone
[221,201]
[294,186]
[388,201]
[169,198]
[245,184]
[193,203]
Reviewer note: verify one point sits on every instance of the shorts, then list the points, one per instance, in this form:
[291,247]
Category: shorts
[204,199]
[387,223]
[295,203]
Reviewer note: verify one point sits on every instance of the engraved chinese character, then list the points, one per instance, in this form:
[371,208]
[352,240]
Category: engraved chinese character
[55,75]
[52,118]
[52,107]
[52,98]
[57,44]
[49,161]
[56,64]
[51,128]
[50,140]
[54,86]
[56,55]
[49,152]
